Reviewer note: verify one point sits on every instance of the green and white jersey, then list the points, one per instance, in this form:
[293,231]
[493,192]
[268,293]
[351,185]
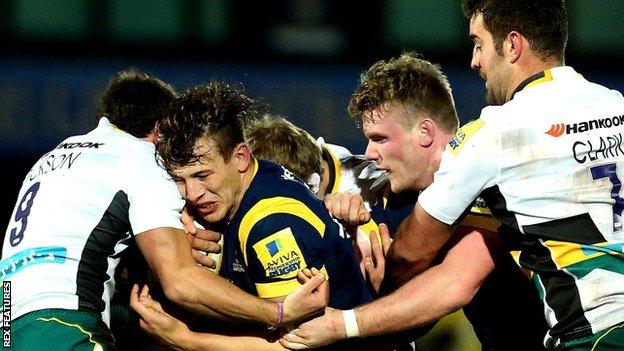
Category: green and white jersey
[77,207]
[549,164]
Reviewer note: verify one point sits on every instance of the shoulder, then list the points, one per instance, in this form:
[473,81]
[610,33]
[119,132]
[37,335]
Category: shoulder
[273,181]
[339,152]
[468,134]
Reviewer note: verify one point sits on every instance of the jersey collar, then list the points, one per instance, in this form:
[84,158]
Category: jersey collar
[541,77]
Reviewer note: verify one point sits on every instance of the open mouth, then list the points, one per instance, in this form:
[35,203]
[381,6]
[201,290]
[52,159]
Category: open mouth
[207,208]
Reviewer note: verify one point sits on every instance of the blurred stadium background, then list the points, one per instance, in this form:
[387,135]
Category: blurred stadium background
[301,57]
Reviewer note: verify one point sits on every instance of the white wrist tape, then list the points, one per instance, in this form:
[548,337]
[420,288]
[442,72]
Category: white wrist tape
[351,326]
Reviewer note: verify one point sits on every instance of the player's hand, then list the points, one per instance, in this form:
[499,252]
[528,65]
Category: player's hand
[309,299]
[321,331]
[155,321]
[375,265]
[188,222]
[204,242]
[362,247]
[348,207]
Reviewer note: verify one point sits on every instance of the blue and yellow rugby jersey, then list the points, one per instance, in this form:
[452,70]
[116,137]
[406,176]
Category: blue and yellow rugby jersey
[280,228]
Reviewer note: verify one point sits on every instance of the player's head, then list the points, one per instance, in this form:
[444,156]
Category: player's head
[202,145]
[134,102]
[506,32]
[275,139]
[408,115]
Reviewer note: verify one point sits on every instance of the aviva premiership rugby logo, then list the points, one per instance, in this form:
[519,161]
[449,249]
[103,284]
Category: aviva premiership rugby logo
[282,261]
[274,247]
[463,134]
[280,255]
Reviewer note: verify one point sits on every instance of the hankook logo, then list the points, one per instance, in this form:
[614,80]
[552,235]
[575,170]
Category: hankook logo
[558,129]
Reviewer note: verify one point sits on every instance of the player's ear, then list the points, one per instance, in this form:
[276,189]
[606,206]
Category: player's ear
[242,156]
[513,46]
[426,130]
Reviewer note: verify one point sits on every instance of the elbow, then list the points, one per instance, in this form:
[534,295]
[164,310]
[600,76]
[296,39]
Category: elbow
[412,260]
[459,297]
[177,291]
[461,292]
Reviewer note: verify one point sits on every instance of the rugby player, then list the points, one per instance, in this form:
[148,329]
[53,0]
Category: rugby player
[529,156]
[408,126]
[79,206]
[273,225]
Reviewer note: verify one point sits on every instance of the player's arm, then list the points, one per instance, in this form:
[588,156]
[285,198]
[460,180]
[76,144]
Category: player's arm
[466,169]
[438,291]
[169,255]
[173,332]
[415,246]
[154,212]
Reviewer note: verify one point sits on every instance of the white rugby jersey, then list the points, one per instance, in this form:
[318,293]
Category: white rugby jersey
[77,207]
[354,174]
[350,173]
[549,164]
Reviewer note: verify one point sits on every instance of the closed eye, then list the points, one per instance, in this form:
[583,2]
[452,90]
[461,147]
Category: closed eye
[376,138]
[202,175]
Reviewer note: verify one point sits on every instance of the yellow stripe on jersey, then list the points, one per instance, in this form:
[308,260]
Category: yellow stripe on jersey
[481,222]
[276,205]
[281,288]
[463,135]
[546,78]
[515,254]
[481,218]
[481,210]
[566,254]
[276,289]
[337,169]
[369,227]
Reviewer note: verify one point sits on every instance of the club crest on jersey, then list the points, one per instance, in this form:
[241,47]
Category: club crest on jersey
[280,255]
[237,266]
[463,135]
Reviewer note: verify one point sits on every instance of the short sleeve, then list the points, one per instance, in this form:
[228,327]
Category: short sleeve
[468,165]
[153,196]
[280,245]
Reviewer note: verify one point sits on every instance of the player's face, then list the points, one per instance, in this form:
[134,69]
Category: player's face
[394,147]
[490,64]
[212,185]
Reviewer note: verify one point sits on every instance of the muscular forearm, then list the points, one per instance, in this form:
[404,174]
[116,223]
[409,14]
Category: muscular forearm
[420,301]
[184,282]
[416,245]
[438,291]
[206,293]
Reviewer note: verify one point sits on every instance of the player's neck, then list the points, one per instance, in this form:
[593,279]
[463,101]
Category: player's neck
[529,68]
[246,179]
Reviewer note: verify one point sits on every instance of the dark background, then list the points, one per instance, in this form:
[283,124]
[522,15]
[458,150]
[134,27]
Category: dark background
[301,57]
